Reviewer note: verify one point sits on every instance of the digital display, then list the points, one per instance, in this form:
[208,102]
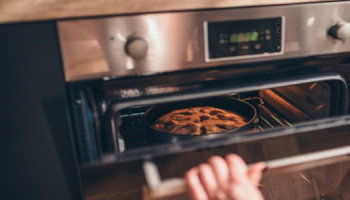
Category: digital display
[244,37]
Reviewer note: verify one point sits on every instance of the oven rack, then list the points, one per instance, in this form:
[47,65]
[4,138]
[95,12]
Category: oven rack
[134,130]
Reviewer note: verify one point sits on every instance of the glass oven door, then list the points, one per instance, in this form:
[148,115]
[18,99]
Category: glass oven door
[308,161]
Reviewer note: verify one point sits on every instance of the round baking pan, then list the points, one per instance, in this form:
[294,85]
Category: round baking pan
[240,107]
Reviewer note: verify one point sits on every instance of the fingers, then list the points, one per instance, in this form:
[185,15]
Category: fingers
[195,186]
[237,169]
[208,180]
[255,172]
[220,170]
[225,178]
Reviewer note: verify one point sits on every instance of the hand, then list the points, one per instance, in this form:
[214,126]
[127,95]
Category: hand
[227,179]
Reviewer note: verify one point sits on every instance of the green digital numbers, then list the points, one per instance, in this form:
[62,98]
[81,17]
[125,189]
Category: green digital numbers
[244,37]
[254,36]
[240,37]
[247,37]
[233,38]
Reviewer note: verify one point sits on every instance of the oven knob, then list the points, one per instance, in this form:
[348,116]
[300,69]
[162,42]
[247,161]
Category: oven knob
[136,48]
[340,31]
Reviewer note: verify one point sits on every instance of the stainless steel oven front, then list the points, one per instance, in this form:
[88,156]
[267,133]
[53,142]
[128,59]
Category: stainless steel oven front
[289,62]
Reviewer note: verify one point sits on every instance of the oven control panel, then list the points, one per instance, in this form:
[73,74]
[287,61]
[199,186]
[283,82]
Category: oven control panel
[146,44]
[244,38]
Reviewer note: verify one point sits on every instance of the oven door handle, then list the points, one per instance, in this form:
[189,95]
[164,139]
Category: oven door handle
[158,188]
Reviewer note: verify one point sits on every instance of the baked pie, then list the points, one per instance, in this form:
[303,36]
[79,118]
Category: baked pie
[199,121]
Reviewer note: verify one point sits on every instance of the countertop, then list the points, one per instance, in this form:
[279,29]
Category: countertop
[36,10]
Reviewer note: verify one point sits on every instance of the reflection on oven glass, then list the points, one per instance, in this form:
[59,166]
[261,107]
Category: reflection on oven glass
[328,182]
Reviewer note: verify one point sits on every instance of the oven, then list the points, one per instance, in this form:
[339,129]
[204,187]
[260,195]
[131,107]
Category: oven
[290,63]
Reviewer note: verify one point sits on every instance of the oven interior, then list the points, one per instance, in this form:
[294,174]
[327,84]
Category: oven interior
[279,107]
[106,113]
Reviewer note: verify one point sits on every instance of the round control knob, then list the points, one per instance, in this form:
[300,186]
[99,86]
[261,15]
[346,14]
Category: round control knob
[136,48]
[340,31]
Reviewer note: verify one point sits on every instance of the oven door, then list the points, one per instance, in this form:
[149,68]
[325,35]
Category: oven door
[267,88]
[119,169]
[308,161]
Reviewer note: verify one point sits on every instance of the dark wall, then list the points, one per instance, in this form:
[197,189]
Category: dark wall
[37,157]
